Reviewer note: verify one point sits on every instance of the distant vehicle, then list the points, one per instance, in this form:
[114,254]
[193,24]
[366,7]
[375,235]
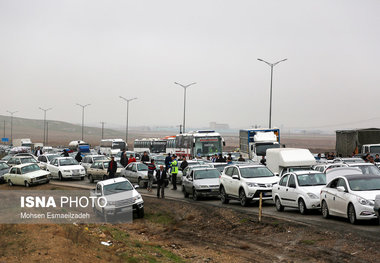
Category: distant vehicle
[170,144]
[201,182]
[112,146]
[151,145]
[27,175]
[23,142]
[120,196]
[219,166]
[348,160]
[136,173]
[4,168]
[65,167]
[189,168]
[299,189]
[98,170]
[46,159]
[16,160]
[357,141]
[81,146]
[333,173]
[284,160]
[324,167]
[351,196]
[88,160]
[245,183]
[255,142]
[366,168]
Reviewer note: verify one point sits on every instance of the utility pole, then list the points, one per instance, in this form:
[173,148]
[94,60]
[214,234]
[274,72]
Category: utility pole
[184,102]
[126,126]
[83,107]
[102,122]
[47,133]
[271,82]
[4,129]
[45,110]
[11,113]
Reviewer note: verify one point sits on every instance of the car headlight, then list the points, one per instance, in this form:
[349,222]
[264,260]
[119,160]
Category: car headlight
[313,196]
[253,185]
[364,201]
[137,198]
[102,202]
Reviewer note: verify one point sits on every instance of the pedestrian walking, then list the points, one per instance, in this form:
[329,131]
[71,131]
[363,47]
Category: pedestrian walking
[184,164]
[168,160]
[112,168]
[131,159]
[145,158]
[38,152]
[78,157]
[174,171]
[123,159]
[151,169]
[161,177]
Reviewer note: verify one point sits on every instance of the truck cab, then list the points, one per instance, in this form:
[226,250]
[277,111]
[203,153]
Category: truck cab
[254,143]
[371,149]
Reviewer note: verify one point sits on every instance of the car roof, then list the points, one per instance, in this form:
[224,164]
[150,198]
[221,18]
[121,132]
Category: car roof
[113,180]
[204,168]
[23,165]
[305,172]
[359,176]
[247,165]
[360,164]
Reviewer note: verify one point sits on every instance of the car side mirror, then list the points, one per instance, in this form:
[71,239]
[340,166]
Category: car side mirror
[136,186]
[341,189]
[236,177]
[276,174]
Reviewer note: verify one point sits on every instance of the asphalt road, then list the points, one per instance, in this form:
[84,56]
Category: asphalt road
[366,229]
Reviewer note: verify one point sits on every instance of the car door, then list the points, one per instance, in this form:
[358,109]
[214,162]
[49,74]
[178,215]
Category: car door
[188,183]
[291,191]
[330,196]
[281,189]
[53,168]
[227,178]
[12,174]
[18,177]
[341,198]
[126,171]
[235,183]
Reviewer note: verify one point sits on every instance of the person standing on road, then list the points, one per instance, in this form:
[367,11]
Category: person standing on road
[78,157]
[151,169]
[161,178]
[263,161]
[123,159]
[38,152]
[65,153]
[131,159]
[184,164]
[112,168]
[174,171]
[145,158]
[168,160]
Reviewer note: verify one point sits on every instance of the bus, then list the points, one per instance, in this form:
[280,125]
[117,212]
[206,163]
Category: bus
[199,143]
[151,145]
[170,144]
[112,146]
[75,146]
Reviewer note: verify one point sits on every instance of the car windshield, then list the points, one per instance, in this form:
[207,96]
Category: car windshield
[206,174]
[367,184]
[369,169]
[158,146]
[117,188]
[261,149]
[102,157]
[68,161]
[255,172]
[3,166]
[142,167]
[30,168]
[51,157]
[374,149]
[311,179]
[118,145]
[28,160]
[118,165]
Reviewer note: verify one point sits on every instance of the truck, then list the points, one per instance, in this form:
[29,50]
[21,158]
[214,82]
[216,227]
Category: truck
[284,160]
[361,141]
[255,142]
[26,142]
[79,145]
[119,199]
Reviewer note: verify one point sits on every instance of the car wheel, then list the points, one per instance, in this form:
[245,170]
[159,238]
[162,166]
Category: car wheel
[243,198]
[60,176]
[325,210]
[27,184]
[90,178]
[351,214]
[302,207]
[223,196]
[140,212]
[195,195]
[279,206]
[10,183]
[139,182]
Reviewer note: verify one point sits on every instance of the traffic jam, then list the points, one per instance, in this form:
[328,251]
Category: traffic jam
[345,185]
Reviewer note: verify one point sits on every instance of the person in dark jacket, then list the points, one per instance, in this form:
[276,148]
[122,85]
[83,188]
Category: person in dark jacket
[78,157]
[168,160]
[65,153]
[38,152]
[123,159]
[112,168]
[145,157]
[263,161]
[151,169]
[184,163]
[220,159]
[161,178]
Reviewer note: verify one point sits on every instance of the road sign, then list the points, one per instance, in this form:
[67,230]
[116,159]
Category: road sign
[5,139]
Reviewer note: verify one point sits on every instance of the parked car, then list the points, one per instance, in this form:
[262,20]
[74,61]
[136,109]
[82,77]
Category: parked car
[367,168]
[299,189]
[88,160]
[4,168]
[201,182]
[7,157]
[351,196]
[120,196]
[46,159]
[245,183]
[26,174]
[188,169]
[65,167]
[98,170]
[327,166]
[219,166]
[137,173]
[16,160]
[348,160]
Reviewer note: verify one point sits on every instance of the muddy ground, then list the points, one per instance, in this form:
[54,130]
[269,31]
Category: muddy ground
[174,231]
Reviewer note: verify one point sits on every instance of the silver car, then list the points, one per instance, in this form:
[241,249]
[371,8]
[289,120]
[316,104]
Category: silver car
[201,182]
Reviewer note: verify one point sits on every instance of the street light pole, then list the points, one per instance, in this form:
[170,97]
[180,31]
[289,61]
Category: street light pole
[11,113]
[184,102]
[102,122]
[271,84]
[83,107]
[45,110]
[126,126]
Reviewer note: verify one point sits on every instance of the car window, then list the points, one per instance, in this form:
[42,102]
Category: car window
[292,180]
[142,167]
[99,189]
[284,180]
[13,171]
[17,161]
[333,183]
[342,182]
[134,169]
[93,165]
[129,167]
[40,158]
[229,171]
[18,171]
[235,171]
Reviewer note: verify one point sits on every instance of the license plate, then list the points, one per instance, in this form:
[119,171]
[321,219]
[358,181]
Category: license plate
[267,194]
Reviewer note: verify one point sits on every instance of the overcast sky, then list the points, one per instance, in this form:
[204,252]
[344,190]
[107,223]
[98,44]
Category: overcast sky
[58,53]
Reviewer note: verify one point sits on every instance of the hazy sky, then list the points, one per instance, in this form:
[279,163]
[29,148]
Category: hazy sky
[57,53]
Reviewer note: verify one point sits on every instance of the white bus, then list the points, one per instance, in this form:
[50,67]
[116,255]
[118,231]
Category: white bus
[151,145]
[112,146]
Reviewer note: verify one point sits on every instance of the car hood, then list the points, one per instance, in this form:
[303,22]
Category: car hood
[369,195]
[263,180]
[312,189]
[71,167]
[210,181]
[36,174]
[122,195]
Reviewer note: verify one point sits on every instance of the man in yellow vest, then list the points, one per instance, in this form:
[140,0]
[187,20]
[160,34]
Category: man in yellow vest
[174,171]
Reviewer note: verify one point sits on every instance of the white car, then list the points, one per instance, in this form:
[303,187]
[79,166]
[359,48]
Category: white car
[136,173]
[202,181]
[367,168]
[46,159]
[327,166]
[26,174]
[351,196]
[299,189]
[245,183]
[88,160]
[65,167]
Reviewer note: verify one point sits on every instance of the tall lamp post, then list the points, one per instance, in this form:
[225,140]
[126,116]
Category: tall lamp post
[11,113]
[83,107]
[271,82]
[184,103]
[126,126]
[45,110]
[102,123]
